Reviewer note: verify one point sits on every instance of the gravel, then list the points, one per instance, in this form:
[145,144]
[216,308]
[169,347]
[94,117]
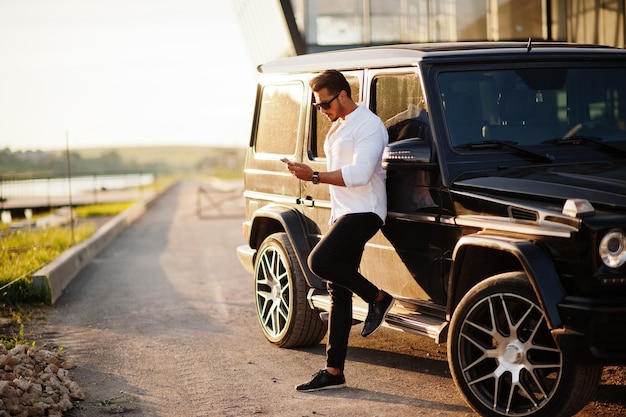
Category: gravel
[35,382]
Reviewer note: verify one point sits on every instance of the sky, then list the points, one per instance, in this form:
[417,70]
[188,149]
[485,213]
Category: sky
[112,73]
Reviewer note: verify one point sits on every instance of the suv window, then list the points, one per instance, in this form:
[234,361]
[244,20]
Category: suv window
[321,124]
[279,118]
[395,93]
[533,105]
[399,101]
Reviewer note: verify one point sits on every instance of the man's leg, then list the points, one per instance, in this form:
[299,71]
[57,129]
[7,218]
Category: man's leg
[337,256]
[339,326]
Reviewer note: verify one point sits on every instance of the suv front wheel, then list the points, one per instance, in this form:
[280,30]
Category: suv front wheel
[504,360]
[281,296]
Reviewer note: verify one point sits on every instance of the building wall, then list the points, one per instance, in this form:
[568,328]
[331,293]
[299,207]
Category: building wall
[265,29]
[328,24]
[593,21]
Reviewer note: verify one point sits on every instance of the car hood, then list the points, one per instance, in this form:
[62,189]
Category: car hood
[599,184]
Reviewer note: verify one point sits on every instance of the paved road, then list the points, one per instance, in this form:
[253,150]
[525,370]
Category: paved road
[162,323]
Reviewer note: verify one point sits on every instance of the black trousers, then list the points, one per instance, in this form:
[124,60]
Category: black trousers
[336,258]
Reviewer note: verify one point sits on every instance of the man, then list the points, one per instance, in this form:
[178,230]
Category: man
[354,146]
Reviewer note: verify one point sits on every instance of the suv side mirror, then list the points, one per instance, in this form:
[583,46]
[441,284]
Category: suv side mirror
[412,153]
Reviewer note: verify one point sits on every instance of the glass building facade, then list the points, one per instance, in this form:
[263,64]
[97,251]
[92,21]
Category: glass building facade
[332,24]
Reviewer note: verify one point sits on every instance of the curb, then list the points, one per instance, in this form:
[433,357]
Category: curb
[56,276]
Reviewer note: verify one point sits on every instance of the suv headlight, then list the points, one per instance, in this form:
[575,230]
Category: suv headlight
[613,249]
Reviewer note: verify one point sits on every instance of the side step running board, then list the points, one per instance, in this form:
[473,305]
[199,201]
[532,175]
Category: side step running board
[399,317]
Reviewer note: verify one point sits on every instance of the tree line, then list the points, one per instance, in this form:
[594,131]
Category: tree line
[34,164]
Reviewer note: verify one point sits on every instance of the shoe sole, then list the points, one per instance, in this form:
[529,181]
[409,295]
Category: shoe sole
[322,388]
[393,301]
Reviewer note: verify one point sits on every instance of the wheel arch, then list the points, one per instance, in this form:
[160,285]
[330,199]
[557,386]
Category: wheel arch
[275,218]
[469,268]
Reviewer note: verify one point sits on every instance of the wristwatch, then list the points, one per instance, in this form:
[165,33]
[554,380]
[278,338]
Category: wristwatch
[315,179]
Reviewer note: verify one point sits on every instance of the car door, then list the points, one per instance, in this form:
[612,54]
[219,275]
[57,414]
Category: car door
[406,256]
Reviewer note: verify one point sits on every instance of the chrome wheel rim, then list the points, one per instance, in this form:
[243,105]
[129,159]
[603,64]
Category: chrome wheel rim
[273,292]
[507,356]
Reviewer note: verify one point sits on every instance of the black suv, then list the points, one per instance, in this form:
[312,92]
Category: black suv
[506,229]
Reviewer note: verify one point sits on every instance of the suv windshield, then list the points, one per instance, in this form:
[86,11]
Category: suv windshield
[535,106]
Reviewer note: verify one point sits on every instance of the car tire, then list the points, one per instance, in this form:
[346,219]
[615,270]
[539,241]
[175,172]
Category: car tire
[504,360]
[281,303]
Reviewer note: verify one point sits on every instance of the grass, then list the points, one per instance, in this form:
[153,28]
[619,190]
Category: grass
[23,252]
[108,209]
[15,338]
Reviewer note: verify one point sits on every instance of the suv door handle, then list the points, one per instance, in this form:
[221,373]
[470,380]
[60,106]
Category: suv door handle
[307,201]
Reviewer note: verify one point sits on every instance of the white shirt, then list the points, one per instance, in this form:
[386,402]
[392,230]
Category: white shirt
[355,145]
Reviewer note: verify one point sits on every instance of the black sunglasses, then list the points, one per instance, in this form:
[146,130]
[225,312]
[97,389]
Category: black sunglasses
[325,104]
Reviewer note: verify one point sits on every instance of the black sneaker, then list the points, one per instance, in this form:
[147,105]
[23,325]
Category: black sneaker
[323,380]
[376,314]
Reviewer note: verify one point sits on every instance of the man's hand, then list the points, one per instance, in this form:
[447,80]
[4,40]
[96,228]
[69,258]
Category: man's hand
[300,171]
[305,173]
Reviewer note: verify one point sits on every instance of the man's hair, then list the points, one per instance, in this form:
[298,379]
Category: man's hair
[332,80]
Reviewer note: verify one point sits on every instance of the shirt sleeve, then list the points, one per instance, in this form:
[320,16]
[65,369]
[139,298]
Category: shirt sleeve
[369,142]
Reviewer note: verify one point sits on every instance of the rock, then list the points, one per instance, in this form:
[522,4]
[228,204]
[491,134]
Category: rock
[52,368]
[35,410]
[12,360]
[22,384]
[76,392]
[63,375]
[17,350]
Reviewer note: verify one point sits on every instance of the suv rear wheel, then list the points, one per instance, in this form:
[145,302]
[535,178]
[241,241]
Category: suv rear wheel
[504,360]
[281,296]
